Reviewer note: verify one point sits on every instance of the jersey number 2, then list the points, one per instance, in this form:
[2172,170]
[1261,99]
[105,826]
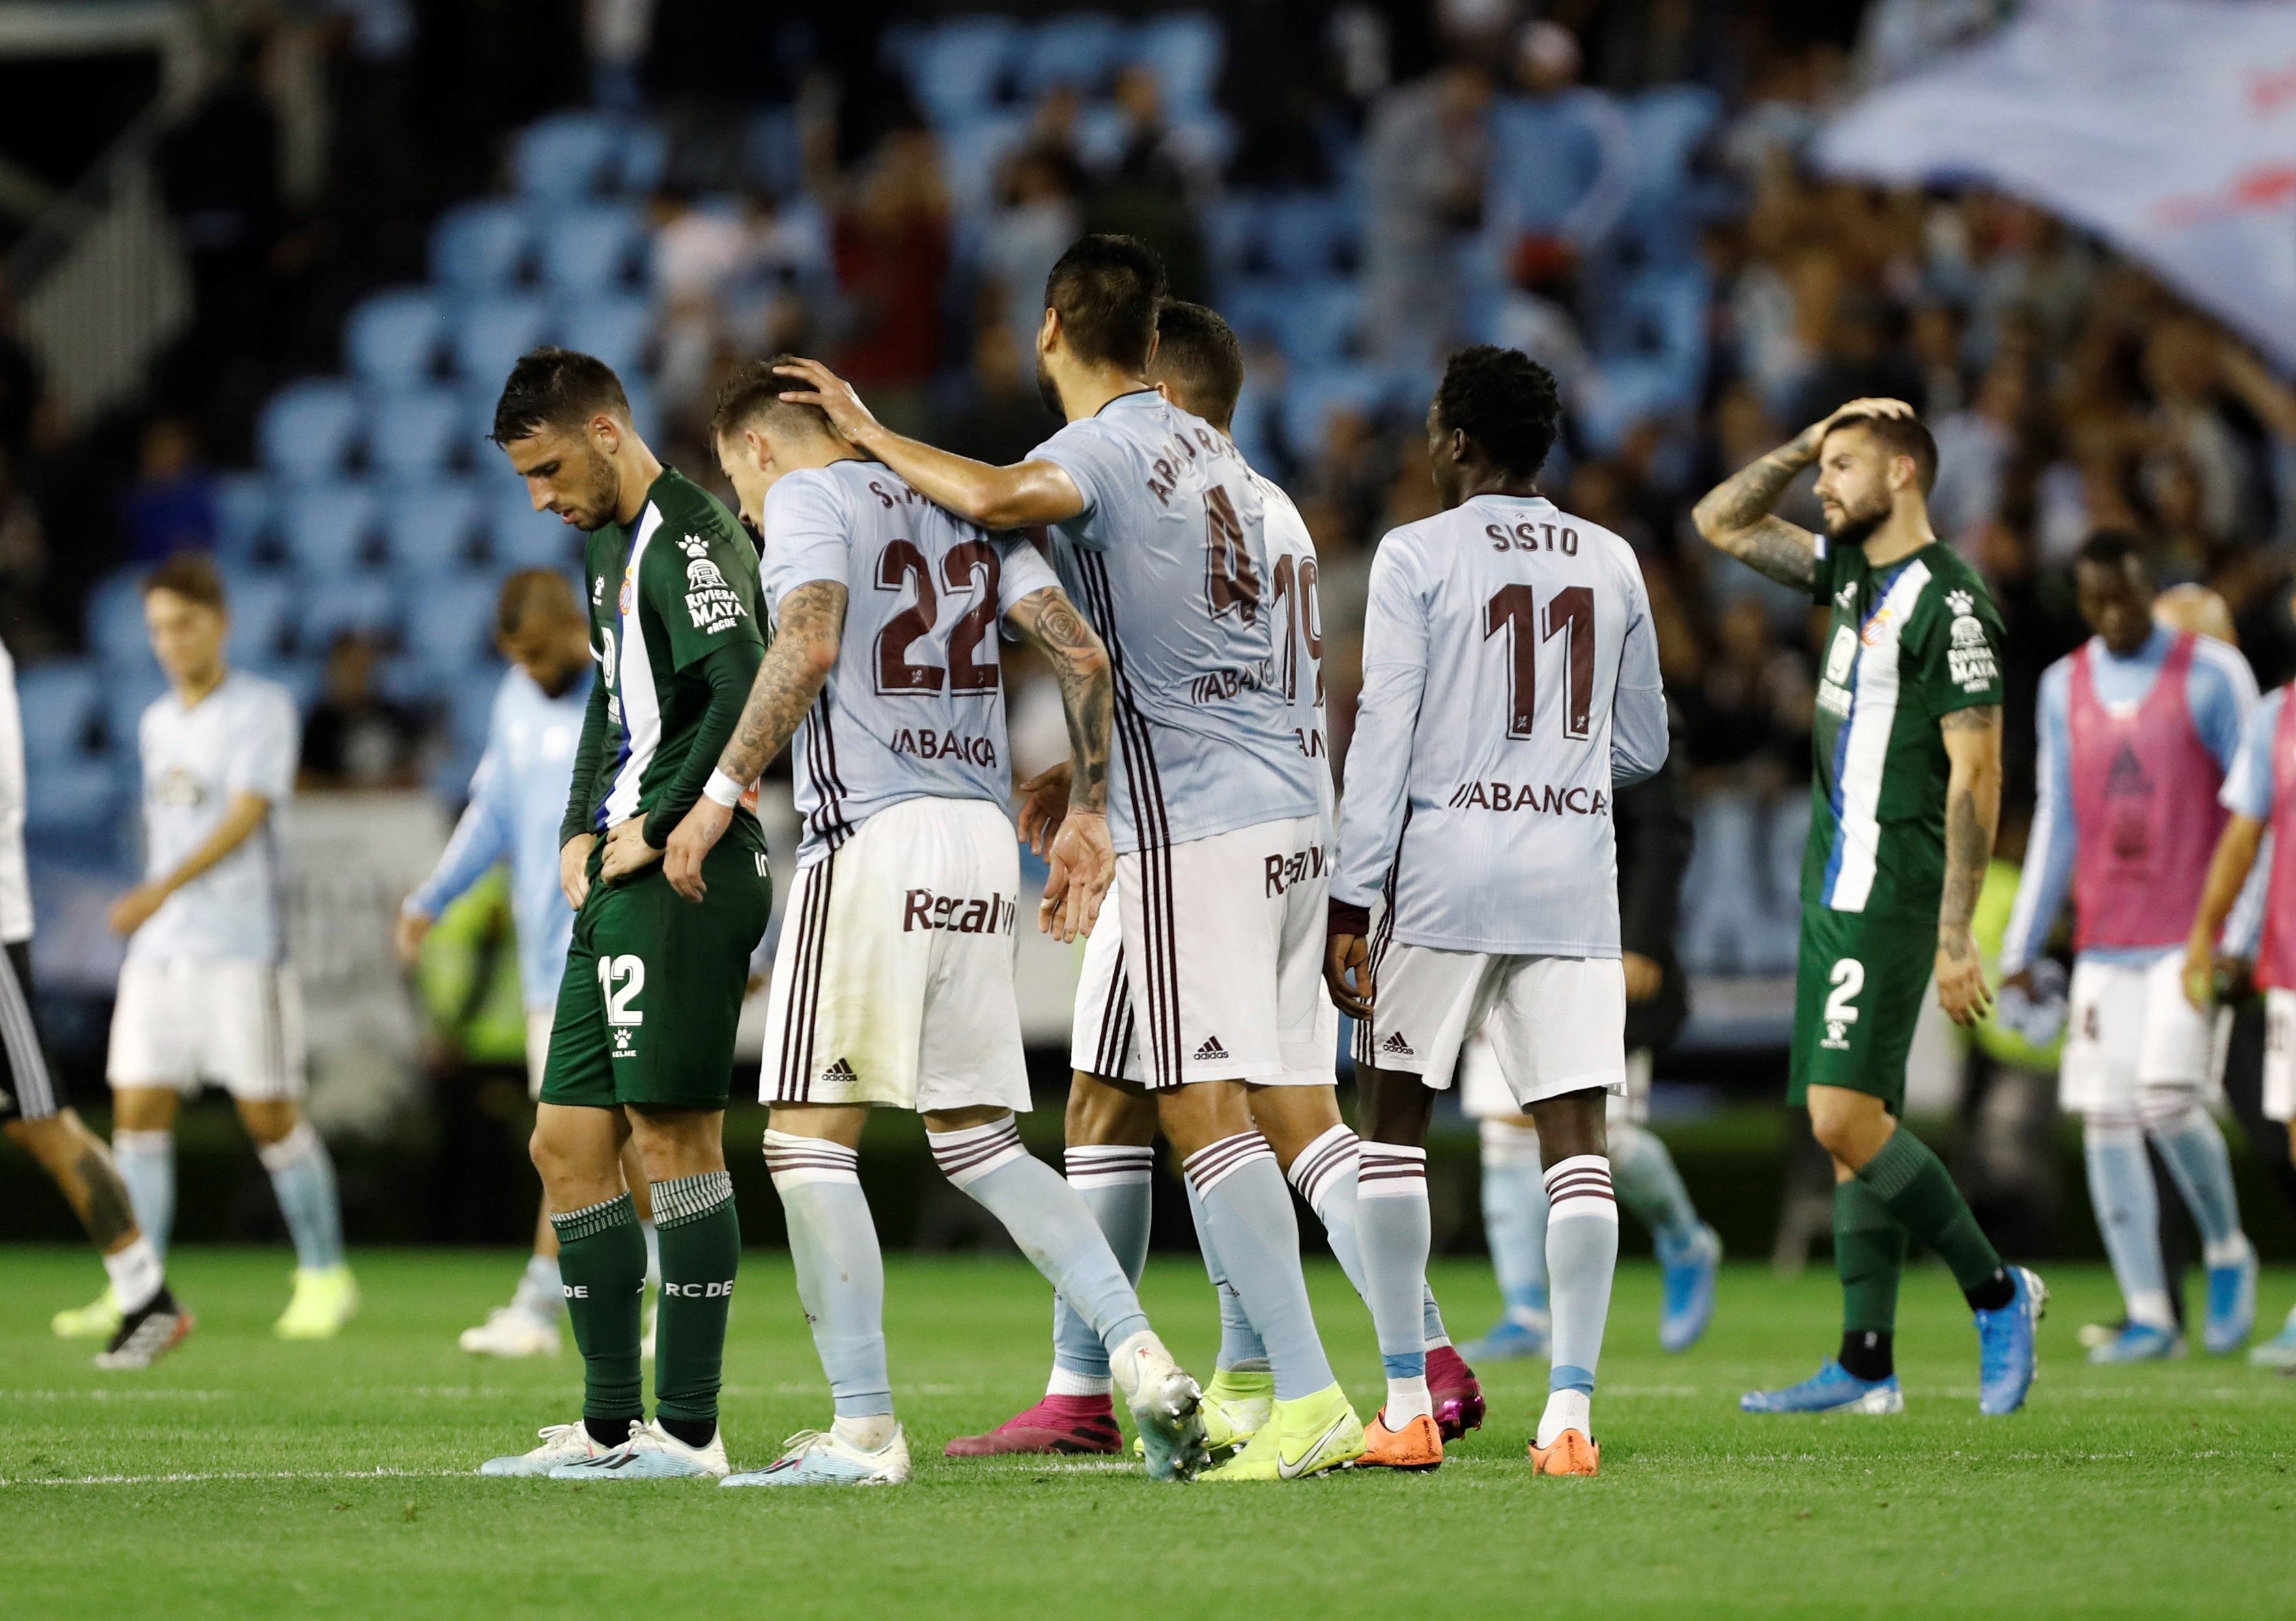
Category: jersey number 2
[1570,615]
[630,970]
[902,563]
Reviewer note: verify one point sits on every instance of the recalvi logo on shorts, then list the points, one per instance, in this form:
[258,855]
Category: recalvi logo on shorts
[957,913]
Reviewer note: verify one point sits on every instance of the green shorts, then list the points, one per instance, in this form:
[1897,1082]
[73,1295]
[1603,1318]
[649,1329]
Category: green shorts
[1857,997]
[654,983]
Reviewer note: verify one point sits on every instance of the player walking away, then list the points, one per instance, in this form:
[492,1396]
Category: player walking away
[1197,367]
[2137,729]
[147,1322]
[518,798]
[1904,795]
[1158,534]
[2260,793]
[894,987]
[642,1045]
[1651,821]
[206,993]
[1522,633]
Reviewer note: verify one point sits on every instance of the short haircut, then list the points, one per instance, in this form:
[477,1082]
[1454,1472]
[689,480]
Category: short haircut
[191,576]
[754,393]
[1505,402]
[1899,435]
[2115,549]
[532,593]
[1197,353]
[555,388]
[1107,290]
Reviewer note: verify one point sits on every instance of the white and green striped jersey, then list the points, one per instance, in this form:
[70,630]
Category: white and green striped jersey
[1908,644]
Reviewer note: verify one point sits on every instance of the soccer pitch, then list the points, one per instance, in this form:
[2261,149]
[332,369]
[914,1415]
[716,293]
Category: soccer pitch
[245,1477]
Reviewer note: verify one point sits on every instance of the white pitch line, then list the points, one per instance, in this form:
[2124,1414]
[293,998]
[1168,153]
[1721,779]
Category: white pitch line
[202,1477]
[120,1394]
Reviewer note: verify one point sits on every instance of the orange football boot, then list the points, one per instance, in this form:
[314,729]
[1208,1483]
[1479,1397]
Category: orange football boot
[1572,1454]
[1417,1446]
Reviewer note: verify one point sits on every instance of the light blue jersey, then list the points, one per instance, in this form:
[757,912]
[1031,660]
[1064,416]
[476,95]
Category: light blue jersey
[2248,792]
[915,708]
[2220,694]
[1294,572]
[518,797]
[1170,560]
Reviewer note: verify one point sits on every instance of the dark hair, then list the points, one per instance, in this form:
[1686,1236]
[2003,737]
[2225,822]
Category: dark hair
[2115,549]
[1197,353]
[555,388]
[753,391]
[1899,435]
[1505,402]
[1107,290]
[534,592]
[191,576]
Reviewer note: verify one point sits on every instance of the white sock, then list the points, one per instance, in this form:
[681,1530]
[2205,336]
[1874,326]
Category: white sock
[1406,1399]
[1065,1383]
[871,1432]
[652,1236]
[541,1293]
[136,1276]
[1565,1410]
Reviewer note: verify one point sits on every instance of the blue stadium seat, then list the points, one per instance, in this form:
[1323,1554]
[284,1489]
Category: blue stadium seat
[1185,50]
[955,68]
[430,526]
[1079,48]
[262,612]
[1669,123]
[331,605]
[127,694]
[306,428]
[1317,322]
[449,619]
[391,341]
[973,150]
[523,539]
[776,149]
[615,329]
[243,514]
[416,433]
[490,333]
[640,158]
[328,529]
[78,801]
[591,249]
[1236,234]
[479,247]
[115,621]
[1312,396]
[63,705]
[1101,134]
[568,154]
[1310,234]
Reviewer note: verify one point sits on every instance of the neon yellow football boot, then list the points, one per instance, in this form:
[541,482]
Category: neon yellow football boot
[99,1319]
[325,1298]
[1301,1437]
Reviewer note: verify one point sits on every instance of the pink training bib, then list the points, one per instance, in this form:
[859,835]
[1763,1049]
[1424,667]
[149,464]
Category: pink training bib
[2276,957]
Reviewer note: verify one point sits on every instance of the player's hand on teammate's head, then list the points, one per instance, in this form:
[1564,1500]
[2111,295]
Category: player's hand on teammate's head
[1346,954]
[1044,802]
[627,852]
[406,935]
[696,835]
[812,383]
[1083,861]
[574,869]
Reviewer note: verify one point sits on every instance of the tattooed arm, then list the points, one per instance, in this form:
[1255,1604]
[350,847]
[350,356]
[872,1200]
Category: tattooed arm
[1972,809]
[807,635]
[1735,516]
[1082,860]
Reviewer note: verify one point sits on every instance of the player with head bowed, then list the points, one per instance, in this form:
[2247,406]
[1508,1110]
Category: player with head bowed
[642,1043]
[1158,531]
[893,986]
[1906,792]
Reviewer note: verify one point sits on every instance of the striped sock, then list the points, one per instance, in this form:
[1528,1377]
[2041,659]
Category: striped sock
[1582,1251]
[1116,1181]
[1249,1211]
[840,1273]
[701,1252]
[1391,1205]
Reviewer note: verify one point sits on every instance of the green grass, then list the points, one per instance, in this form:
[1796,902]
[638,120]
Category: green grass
[245,1477]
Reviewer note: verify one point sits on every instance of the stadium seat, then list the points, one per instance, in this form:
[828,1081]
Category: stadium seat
[327,528]
[776,149]
[416,434]
[640,160]
[591,249]
[1317,322]
[480,246]
[243,512]
[1101,134]
[1185,50]
[490,333]
[519,537]
[262,612]
[616,329]
[391,341]
[115,621]
[449,618]
[431,526]
[1312,396]
[566,155]
[307,428]
[332,605]
[78,801]
[127,694]
[63,705]
[1079,48]
[971,153]
[956,70]
[1310,234]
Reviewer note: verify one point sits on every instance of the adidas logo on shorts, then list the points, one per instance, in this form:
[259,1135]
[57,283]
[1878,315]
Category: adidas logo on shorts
[1396,1044]
[1210,1049]
[839,1072]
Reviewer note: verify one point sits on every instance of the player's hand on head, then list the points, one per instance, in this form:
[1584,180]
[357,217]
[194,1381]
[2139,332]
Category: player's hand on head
[696,835]
[1083,861]
[574,869]
[626,851]
[812,383]
[1044,802]
[1346,954]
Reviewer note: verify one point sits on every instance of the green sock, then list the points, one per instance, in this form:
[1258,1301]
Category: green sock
[1914,1186]
[700,1251]
[1869,1253]
[601,1262]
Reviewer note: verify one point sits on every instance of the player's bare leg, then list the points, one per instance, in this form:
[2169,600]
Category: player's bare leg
[151,1322]
[528,1325]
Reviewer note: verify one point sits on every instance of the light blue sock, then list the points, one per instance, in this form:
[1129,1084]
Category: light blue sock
[146,1164]
[541,1291]
[2128,1215]
[1240,1345]
[1582,1252]
[1393,1227]
[2189,1141]
[1248,1211]
[652,1234]
[1117,1185]
[1431,1321]
[841,1274]
[1647,1183]
[1514,1220]
[303,1176]
[1048,1218]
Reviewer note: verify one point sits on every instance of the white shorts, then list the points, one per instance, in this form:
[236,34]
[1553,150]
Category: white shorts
[180,1022]
[2280,1055]
[1483,1094]
[893,980]
[1555,1024]
[1221,944]
[538,1022]
[2128,1026]
[1104,1040]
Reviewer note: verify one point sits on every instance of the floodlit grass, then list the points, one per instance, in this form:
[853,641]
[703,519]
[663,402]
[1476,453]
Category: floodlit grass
[245,1477]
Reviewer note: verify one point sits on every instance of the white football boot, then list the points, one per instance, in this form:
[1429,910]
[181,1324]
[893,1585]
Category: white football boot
[651,1454]
[560,1443]
[823,1457]
[511,1332]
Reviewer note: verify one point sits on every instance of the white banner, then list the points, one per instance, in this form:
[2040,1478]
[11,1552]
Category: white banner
[2168,127]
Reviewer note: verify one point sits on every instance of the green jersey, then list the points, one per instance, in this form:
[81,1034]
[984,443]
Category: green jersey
[664,593]
[1908,644]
